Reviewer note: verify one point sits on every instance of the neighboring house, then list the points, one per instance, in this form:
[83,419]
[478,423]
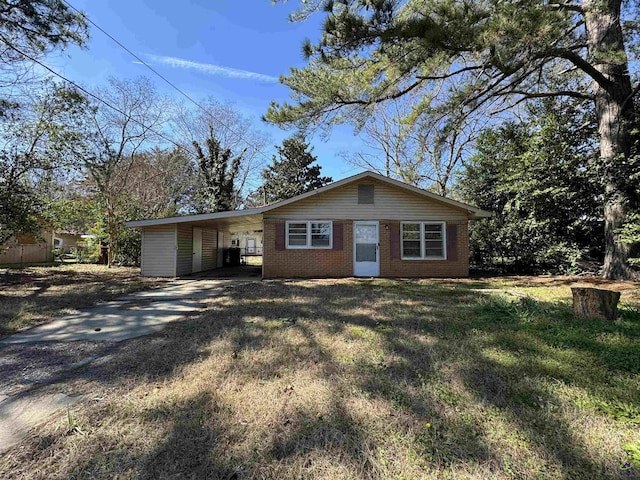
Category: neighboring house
[67,240]
[25,249]
[249,243]
[365,225]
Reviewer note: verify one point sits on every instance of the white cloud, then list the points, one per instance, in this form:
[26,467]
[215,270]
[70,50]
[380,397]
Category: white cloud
[211,69]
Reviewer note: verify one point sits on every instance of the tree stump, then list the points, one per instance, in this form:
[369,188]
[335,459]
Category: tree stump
[595,303]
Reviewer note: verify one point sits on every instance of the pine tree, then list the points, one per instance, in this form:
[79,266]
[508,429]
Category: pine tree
[469,57]
[217,173]
[292,172]
[28,31]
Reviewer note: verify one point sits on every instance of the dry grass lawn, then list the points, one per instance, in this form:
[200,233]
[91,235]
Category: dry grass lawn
[34,295]
[349,379]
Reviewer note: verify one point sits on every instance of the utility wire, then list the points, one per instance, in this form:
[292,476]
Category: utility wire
[96,97]
[165,79]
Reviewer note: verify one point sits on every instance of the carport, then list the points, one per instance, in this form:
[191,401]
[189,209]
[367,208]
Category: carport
[177,246]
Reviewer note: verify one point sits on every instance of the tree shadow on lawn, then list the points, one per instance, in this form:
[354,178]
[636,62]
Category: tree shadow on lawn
[533,333]
[59,275]
[186,449]
[410,342]
[26,367]
[528,344]
[488,380]
[301,441]
[31,297]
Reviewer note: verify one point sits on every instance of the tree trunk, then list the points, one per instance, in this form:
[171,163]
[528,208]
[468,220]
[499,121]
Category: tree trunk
[615,116]
[111,231]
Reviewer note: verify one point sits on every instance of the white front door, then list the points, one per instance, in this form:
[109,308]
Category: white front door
[366,258]
[197,250]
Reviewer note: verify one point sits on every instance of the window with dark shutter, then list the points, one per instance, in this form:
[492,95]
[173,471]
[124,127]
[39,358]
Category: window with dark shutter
[337,236]
[280,236]
[365,194]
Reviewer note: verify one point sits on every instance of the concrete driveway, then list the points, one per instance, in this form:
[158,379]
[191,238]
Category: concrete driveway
[137,314]
[39,357]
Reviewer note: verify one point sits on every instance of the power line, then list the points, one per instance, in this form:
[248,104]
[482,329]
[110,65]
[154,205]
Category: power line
[165,79]
[87,92]
[137,57]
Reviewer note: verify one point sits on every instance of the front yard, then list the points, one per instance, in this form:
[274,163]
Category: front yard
[329,379]
[33,295]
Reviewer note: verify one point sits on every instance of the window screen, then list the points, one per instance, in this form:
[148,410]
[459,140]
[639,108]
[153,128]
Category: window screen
[297,234]
[411,240]
[433,240]
[320,234]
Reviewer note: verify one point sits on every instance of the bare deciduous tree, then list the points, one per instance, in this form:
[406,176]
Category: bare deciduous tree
[423,152]
[116,137]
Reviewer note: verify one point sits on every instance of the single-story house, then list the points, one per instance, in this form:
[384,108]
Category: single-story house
[365,225]
[68,239]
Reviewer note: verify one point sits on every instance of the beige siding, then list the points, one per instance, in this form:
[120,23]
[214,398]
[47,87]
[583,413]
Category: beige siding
[226,240]
[184,257]
[390,203]
[68,240]
[209,249]
[159,251]
[220,243]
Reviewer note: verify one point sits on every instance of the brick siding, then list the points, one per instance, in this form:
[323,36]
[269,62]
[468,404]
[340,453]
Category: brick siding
[395,267]
[310,263]
[306,262]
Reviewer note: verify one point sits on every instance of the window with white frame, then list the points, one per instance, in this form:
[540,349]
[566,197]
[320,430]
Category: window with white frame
[309,234]
[423,241]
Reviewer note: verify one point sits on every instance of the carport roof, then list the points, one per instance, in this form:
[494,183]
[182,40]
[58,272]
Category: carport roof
[239,220]
[236,220]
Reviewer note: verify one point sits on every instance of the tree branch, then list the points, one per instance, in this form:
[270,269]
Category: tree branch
[450,74]
[572,7]
[557,93]
[582,64]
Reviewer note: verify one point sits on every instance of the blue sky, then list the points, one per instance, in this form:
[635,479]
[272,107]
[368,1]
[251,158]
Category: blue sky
[229,49]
